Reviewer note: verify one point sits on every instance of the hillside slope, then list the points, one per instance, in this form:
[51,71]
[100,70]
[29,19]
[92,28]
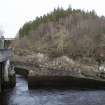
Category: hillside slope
[70,32]
[68,41]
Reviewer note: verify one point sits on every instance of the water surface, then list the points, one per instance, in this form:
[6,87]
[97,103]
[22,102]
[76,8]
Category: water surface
[21,95]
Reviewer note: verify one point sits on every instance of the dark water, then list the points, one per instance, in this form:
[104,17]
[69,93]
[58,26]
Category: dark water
[20,95]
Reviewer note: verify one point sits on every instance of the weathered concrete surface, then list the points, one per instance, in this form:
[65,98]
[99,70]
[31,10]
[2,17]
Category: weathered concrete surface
[61,78]
[7,74]
[5,54]
[21,71]
[11,83]
[64,81]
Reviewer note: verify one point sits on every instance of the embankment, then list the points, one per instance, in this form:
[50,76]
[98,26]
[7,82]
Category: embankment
[59,72]
[64,82]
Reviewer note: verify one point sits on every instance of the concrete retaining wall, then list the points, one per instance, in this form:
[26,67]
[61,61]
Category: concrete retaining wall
[63,81]
[21,71]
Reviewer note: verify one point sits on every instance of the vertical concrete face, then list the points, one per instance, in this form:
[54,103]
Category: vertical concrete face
[6,72]
[1,42]
[4,78]
[2,65]
[7,75]
[1,75]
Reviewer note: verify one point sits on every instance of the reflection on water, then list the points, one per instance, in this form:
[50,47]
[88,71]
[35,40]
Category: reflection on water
[20,95]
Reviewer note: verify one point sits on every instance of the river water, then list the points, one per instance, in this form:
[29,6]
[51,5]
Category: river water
[21,95]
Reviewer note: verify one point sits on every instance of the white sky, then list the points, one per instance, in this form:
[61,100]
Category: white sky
[14,13]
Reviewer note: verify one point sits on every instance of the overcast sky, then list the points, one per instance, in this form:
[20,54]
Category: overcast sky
[14,13]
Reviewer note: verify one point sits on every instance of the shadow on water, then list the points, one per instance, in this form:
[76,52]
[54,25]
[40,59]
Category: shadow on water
[3,99]
[21,95]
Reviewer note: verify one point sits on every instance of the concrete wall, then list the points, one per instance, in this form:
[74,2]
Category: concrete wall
[64,82]
[1,75]
[7,76]
[1,42]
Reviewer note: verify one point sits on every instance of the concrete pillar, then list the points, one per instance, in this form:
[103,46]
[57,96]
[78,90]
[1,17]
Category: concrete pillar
[1,42]
[6,73]
[1,75]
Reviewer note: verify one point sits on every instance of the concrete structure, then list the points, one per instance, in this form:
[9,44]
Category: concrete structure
[8,41]
[5,67]
[5,55]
